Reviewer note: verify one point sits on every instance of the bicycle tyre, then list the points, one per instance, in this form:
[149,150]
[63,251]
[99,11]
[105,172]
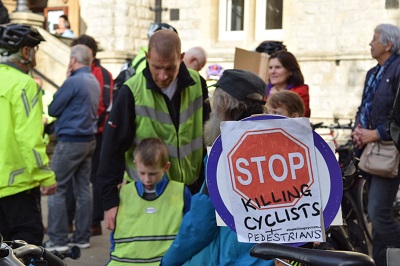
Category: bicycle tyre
[362,205]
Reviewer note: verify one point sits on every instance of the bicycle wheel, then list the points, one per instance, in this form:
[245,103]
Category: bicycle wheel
[362,202]
[396,207]
[354,225]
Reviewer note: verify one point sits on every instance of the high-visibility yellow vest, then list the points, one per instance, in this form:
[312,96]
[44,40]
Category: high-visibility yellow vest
[185,145]
[146,229]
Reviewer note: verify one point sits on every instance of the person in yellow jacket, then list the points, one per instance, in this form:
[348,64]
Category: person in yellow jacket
[24,165]
[150,209]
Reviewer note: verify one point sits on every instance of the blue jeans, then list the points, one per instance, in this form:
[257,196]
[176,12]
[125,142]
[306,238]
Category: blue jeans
[71,160]
[386,230]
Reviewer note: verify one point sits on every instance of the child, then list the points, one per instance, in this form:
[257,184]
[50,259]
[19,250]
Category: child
[150,209]
[286,103]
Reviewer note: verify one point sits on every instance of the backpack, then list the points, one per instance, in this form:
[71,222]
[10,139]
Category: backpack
[106,96]
[124,75]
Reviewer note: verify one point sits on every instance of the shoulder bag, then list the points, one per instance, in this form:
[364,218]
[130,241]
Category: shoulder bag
[380,158]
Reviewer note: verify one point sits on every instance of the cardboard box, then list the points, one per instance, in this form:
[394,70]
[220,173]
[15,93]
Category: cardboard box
[252,61]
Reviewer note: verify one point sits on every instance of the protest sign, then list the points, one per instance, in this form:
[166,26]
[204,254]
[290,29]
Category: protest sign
[327,165]
[275,188]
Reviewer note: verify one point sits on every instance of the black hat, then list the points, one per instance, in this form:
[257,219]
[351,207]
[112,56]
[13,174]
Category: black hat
[240,83]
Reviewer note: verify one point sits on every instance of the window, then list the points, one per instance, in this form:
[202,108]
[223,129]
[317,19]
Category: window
[269,20]
[232,19]
[392,4]
[235,15]
[273,18]
[51,15]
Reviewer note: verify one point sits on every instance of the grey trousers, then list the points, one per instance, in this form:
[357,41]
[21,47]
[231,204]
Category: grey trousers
[71,160]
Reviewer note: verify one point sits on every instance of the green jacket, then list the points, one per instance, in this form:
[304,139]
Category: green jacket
[153,119]
[24,163]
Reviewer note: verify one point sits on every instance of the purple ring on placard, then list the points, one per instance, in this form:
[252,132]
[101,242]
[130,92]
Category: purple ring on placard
[335,196]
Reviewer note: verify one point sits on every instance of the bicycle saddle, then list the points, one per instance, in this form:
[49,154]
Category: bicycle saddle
[315,257]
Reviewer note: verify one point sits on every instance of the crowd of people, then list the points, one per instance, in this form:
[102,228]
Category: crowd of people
[140,166]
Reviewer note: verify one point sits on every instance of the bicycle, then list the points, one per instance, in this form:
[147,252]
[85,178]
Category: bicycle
[351,235]
[313,257]
[355,195]
[18,252]
[333,134]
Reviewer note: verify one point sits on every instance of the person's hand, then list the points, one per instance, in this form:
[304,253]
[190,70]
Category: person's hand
[368,135]
[48,190]
[109,218]
[356,135]
[69,68]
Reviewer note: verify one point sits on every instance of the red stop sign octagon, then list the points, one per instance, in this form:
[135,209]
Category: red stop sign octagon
[270,168]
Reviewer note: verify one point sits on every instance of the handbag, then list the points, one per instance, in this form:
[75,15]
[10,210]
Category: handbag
[380,158]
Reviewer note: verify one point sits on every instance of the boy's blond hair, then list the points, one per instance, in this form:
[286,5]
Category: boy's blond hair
[152,151]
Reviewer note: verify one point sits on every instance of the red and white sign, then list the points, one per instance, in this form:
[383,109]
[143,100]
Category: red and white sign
[274,187]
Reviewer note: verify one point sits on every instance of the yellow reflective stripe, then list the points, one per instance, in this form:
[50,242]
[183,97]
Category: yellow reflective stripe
[38,158]
[189,148]
[144,238]
[193,107]
[13,174]
[152,113]
[25,101]
[155,259]
[36,98]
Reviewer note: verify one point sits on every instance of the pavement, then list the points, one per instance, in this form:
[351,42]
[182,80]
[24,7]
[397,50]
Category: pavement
[99,252]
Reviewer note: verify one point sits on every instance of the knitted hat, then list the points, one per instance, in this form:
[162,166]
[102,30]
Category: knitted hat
[240,83]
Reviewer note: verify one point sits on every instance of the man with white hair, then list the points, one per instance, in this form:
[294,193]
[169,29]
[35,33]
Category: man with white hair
[75,107]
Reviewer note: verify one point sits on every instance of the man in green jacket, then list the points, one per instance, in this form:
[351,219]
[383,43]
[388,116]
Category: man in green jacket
[24,169]
[165,100]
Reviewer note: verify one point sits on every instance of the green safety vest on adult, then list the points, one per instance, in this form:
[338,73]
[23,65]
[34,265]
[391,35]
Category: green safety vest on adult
[24,162]
[185,145]
[146,229]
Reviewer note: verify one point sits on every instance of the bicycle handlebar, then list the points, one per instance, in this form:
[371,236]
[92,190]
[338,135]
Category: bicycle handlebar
[268,251]
[10,256]
[39,252]
[333,126]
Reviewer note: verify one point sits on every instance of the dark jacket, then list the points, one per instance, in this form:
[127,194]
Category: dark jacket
[382,101]
[75,105]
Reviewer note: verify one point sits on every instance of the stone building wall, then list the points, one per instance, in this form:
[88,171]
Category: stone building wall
[331,41]
[329,37]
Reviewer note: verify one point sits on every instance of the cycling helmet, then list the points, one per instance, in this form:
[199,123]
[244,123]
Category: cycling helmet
[214,71]
[14,36]
[270,47]
[159,26]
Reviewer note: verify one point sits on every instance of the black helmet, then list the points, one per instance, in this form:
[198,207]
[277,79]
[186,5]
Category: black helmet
[159,26]
[14,36]
[270,47]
